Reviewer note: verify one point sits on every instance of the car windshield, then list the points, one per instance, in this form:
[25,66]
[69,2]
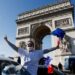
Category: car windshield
[12,67]
[4,63]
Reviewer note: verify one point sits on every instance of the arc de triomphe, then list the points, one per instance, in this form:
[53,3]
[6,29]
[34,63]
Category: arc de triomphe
[36,24]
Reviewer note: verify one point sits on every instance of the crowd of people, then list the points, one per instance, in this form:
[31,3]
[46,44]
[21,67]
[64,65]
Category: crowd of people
[31,58]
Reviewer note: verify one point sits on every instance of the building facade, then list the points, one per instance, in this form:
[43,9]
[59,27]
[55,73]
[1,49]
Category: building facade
[36,24]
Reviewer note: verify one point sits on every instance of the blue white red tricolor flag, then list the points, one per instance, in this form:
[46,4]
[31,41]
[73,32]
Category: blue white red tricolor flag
[47,63]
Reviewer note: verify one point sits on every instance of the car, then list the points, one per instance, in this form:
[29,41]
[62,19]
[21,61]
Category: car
[69,64]
[9,67]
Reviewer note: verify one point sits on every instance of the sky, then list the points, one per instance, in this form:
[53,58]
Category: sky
[9,11]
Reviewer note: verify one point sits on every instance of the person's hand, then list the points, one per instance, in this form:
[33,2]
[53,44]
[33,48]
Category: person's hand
[58,43]
[5,38]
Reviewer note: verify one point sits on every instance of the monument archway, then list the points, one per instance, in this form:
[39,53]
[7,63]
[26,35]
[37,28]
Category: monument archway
[38,34]
[36,24]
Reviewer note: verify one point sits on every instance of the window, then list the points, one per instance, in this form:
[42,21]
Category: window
[24,30]
[63,22]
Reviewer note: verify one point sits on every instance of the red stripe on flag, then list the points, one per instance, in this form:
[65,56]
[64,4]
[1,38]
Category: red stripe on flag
[50,69]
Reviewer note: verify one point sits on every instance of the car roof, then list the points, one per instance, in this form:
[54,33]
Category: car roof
[6,59]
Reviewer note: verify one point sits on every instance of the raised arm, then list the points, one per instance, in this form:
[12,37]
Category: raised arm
[52,49]
[11,44]
[60,34]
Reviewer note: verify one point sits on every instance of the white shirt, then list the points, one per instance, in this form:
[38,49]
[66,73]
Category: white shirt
[30,59]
